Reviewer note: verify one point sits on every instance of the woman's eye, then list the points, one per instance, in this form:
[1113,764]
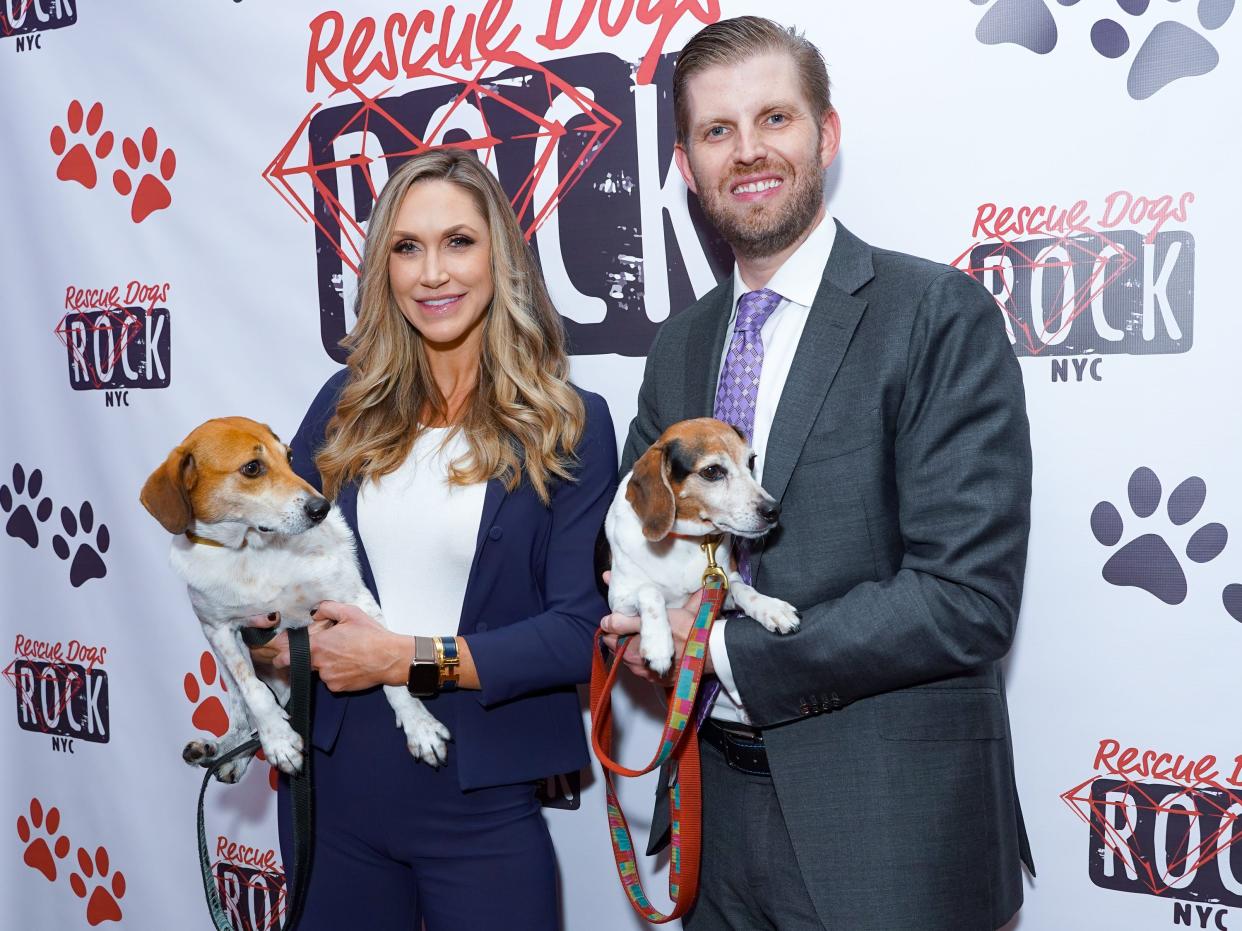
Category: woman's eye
[461,241]
[712,473]
[404,246]
[252,469]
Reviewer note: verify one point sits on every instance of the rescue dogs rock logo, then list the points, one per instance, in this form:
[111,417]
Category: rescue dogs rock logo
[1073,280]
[1147,561]
[1164,824]
[61,691]
[573,141]
[27,20]
[1173,48]
[251,883]
[117,338]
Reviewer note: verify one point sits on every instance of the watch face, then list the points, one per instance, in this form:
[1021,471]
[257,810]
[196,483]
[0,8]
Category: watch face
[424,679]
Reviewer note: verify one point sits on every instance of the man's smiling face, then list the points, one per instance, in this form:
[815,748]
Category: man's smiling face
[755,152]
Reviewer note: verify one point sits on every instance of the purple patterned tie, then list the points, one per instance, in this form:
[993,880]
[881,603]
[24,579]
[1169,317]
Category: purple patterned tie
[735,404]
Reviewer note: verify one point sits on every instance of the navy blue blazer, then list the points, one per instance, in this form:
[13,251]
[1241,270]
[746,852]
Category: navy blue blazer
[530,611]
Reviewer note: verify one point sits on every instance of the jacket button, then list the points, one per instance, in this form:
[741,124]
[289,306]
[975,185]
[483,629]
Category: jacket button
[495,533]
[804,708]
[481,626]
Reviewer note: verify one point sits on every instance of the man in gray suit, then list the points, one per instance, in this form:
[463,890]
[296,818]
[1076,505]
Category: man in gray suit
[857,774]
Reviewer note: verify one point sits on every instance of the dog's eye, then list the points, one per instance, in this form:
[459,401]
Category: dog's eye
[253,469]
[289,454]
[712,473]
[751,463]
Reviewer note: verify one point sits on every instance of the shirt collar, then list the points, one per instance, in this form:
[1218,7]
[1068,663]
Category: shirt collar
[798,279]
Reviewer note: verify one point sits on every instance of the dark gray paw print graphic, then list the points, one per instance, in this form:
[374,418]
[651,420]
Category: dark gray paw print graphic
[1147,561]
[1171,50]
[88,560]
[25,515]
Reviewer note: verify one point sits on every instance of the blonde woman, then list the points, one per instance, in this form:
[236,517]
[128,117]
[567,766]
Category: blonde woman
[475,477]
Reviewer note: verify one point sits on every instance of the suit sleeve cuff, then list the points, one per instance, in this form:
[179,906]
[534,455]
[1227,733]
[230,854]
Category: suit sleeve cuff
[720,661]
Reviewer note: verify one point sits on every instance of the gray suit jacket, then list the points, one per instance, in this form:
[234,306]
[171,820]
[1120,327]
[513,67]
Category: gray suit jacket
[900,453]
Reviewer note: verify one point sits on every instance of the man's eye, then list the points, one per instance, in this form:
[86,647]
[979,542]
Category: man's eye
[716,132]
[252,469]
[778,118]
[712,473]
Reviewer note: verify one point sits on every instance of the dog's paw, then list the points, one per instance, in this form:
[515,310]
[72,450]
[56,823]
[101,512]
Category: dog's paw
[197,752]
[283,748]
[778,616]
[657,650]
[233,770]
[427,740]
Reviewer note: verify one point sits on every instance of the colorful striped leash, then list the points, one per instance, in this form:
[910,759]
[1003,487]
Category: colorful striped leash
[685,795]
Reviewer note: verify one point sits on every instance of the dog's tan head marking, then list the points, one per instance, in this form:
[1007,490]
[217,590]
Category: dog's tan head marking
[232,469]
[696,479]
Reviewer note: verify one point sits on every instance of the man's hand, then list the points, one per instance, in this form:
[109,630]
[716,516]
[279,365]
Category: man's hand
[681,620]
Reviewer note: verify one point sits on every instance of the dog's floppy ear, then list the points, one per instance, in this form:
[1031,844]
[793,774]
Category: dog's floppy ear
[166,493]
[650,494]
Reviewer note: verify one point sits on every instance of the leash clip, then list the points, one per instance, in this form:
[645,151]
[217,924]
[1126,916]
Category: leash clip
[713,570]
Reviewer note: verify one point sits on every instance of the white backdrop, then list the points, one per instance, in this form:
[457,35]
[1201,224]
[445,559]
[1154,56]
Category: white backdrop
[233,259]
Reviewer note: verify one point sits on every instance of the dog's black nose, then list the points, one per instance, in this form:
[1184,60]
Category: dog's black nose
[317,509]
[770,511]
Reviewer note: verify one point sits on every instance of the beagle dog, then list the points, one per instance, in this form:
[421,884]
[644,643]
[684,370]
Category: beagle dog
[250,538]
[694,481]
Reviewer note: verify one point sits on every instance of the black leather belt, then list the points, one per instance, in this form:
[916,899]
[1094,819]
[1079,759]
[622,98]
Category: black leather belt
[743,751]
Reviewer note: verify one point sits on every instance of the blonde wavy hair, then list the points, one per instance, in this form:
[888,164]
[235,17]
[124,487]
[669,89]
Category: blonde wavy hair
[523,417]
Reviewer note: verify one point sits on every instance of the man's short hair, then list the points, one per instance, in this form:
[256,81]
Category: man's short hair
[731,41]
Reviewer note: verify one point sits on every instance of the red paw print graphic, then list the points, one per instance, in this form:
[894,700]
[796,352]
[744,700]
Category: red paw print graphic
[209,714]
[42,852]
[77,163]
[152,193]
[103,904]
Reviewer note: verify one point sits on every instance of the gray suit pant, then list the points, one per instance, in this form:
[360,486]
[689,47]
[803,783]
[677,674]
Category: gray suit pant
[749,878]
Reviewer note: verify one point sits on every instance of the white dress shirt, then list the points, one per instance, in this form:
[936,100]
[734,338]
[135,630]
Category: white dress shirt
[796,281]
[420,533]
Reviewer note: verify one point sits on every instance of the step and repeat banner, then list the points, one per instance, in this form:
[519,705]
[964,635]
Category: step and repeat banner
[187,191]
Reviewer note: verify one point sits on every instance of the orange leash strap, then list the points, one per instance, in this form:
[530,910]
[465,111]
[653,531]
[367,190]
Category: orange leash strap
[677,744]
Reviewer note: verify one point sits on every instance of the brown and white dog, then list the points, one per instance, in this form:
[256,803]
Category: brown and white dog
[694,481]
[251,537]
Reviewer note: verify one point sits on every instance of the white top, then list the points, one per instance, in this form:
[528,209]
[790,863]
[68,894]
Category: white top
[420,534]
[796,282]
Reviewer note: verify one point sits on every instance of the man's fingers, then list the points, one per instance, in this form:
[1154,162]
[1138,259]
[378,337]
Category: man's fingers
[621,624]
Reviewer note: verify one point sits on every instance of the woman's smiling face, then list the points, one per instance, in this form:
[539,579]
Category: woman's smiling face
[440,264]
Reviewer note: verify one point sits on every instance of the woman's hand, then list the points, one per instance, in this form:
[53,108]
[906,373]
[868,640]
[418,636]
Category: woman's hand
[351,650]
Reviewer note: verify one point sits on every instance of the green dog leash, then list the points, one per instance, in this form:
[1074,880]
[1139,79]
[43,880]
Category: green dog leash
[300,785]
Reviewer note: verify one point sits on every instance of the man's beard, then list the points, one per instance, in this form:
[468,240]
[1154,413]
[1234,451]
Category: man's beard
[747,230]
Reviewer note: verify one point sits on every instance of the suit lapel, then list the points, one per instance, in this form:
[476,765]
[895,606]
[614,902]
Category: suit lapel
[829,327]
[347,501]
[706,342]
[493,497]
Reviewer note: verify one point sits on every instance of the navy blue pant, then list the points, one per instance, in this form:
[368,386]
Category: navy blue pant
[398,843]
